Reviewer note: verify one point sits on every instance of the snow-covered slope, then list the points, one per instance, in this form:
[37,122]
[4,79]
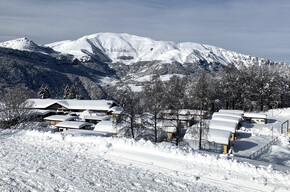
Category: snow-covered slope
[25,44]
[43,161]
[129,49]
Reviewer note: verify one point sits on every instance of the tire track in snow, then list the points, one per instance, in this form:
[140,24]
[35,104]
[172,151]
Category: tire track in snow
[234,185]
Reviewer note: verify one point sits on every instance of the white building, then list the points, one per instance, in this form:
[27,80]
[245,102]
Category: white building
[219,137]
[259,118]
[107,127]
[225,126]
[65,125]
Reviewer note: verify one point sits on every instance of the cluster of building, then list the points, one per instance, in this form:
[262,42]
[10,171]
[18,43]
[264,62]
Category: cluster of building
[72,114]
[222,127]
[99,115]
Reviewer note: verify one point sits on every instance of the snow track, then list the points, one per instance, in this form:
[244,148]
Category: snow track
[41,161]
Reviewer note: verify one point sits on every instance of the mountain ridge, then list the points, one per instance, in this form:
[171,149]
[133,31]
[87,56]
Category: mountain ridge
[129,49]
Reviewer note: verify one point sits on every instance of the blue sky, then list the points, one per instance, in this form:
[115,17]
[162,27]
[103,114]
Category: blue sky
[255,27]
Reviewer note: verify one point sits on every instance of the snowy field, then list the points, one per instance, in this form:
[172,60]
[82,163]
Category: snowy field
[43,161]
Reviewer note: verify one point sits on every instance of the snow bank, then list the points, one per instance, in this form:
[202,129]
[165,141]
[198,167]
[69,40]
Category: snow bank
[107,144]
[96,163]
[105,126]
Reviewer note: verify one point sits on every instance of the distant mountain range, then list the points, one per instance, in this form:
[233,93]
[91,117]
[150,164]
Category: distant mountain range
[100,63]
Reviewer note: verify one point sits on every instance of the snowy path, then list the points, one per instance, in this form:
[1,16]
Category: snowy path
[35,161]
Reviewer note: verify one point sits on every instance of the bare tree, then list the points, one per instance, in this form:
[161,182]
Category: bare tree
[175,102]
[14,107]
[202,95]
[130,114]
[154,98]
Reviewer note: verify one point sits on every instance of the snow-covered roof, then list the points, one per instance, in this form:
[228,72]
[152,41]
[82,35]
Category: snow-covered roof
[227,118]
[185,112]
[105,126]
[97,117]
[223,125]
[256,115]
[227,114]
[42,103]
[212,135]
[43,111]
[86,104]
[73,104]
[60,118]
[72,124]
[168,125]
[218,136]
[231,111]
[115,110]
[191,112]
[84,132]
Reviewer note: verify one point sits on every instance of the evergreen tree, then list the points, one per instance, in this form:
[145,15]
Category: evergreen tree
[66,92]
[44,92]
[72,93]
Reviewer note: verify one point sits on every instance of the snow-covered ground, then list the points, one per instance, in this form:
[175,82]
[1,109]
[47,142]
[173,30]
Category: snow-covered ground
[278,153]
[44,161]
[252,137]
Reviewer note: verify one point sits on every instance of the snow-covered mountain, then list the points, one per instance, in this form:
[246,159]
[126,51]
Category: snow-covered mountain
[25,45]
[130,49]
[102,63]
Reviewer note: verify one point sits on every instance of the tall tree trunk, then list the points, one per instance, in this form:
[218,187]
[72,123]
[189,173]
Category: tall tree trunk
[132,126]
[155,127]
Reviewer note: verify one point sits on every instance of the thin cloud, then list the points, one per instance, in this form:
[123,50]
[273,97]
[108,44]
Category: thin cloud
[252,26]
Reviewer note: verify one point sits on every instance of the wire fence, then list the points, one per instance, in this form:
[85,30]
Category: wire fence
[284,127]
[261,150]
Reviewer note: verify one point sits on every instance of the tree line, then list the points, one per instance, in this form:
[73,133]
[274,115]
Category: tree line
[248,88]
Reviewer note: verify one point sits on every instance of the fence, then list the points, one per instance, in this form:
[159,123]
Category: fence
[285,127]
[261,150]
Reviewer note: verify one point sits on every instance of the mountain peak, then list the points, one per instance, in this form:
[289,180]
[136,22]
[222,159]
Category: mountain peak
[129,49]
[24,44]
[19,43]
